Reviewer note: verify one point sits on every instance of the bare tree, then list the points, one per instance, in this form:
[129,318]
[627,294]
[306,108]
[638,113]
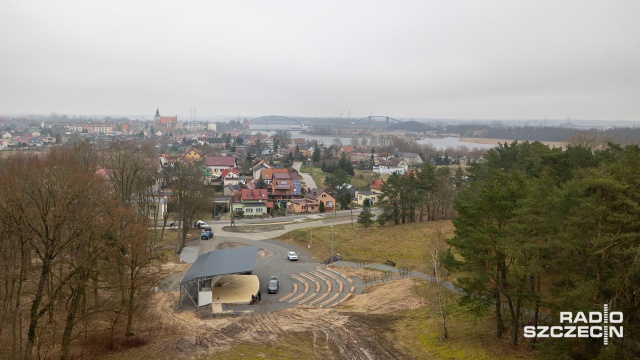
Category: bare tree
[435,263]
[51,203]
[355,141]
[364,142]
[189,199]
[283,137]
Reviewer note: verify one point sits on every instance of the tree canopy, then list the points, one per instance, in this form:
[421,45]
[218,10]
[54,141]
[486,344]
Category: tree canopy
[541,230]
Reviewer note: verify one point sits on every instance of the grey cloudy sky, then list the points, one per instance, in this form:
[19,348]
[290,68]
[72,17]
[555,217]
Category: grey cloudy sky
[425,59]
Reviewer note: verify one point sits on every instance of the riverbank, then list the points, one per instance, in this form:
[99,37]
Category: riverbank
[495,142]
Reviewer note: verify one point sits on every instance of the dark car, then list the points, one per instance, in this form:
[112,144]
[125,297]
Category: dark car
[273,286]
[206,235]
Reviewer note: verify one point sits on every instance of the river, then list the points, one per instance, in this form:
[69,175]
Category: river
[438,143]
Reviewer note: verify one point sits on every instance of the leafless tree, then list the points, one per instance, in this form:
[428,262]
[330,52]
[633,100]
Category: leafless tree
[435,263]
[283,137]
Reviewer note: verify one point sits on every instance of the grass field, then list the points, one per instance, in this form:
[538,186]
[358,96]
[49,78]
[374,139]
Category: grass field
[406,245]
[420,331]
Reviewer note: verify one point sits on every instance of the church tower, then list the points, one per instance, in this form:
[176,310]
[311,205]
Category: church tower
[156,119]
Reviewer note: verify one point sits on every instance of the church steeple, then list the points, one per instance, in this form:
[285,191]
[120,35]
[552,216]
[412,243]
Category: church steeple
[157,112]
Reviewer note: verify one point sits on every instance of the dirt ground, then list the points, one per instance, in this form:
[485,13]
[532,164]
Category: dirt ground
[352,329]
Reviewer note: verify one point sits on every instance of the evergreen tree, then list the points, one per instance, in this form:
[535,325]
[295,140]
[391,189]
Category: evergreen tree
[366,217]
[261,184]
[338,177]
[321,206]
[345,164]
[345,200]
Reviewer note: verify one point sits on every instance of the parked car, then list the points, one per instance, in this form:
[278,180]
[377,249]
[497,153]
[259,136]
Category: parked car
[273,286]
[200,224]
[292,256]
[206,235]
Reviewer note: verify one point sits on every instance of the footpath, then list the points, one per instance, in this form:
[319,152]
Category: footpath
[398,273]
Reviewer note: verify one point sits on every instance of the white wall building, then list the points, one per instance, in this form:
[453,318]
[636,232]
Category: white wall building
[388,170]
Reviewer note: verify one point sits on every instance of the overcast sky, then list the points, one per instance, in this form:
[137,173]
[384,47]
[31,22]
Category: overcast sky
[422,59]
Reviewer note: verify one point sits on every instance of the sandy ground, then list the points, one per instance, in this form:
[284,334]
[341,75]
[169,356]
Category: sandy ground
[496,141]
[348,327]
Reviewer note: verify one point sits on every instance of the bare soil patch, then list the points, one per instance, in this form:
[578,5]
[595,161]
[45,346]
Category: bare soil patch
[385,298]
[351,335]
[253,228]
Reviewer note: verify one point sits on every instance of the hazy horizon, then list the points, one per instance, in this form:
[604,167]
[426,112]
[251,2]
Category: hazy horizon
[460,60]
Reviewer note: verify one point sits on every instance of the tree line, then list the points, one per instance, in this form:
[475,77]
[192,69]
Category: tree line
[76,253]
[419,195]
[541,230]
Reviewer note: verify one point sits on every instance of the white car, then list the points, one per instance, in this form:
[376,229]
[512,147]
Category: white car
[201,224]
[292,256]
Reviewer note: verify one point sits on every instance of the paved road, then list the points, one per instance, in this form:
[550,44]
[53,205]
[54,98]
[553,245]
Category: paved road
[308,180]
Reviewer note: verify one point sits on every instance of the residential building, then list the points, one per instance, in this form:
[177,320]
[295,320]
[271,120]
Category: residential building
[315,196]
[230,177]
[362,196]
[297,206]
[376,186]
[381,169]
[281,185]
[193,155]
[251,208]
[254,195]
[412,159]
[267,174]
[216,164]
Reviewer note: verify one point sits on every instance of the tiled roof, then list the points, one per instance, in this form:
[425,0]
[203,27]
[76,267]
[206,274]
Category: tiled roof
[377,184]
[226,172]
[254,194]
[268,173]
[314,193]
[348,149]
[220,161]
[281,176]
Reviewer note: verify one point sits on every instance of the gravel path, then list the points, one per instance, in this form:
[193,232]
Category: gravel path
[306,178]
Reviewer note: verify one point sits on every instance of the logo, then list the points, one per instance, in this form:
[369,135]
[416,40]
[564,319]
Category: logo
[596,324]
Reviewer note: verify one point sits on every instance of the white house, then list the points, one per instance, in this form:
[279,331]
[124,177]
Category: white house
[389,170]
